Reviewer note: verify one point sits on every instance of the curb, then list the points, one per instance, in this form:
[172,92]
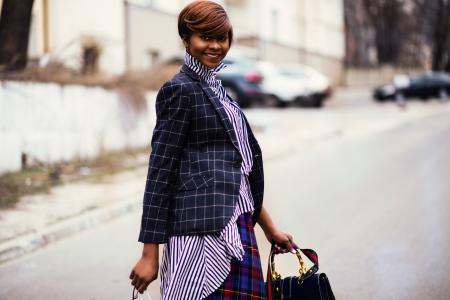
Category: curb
[29,243]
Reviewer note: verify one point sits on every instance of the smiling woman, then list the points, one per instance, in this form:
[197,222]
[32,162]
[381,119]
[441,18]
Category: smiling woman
[205,181]
[206,32]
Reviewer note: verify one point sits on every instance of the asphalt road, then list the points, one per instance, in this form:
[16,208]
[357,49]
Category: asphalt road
[374,206]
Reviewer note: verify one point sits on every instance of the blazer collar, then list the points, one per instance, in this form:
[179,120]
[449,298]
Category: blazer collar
[188,71]
[218,106]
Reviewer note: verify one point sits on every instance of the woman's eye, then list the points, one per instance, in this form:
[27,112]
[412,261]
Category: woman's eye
[205,38]
[223,38]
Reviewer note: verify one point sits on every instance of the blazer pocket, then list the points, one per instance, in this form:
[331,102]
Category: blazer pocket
[196,182]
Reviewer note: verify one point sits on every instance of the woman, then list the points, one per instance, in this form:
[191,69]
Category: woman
[205,180]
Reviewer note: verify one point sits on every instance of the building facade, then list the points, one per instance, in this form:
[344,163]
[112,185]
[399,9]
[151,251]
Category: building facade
[136,34]
[296,31]
[60,30]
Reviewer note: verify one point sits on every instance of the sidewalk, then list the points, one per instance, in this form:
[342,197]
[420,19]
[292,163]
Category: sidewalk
[41,219]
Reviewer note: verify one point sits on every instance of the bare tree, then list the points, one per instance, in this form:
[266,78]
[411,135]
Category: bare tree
[15,22]
[441,37]
[403,32]
[386,17]
[433,23]
[360,43]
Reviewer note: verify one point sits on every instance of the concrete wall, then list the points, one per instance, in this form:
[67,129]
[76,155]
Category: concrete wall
[297,31]
[274,21]
[322,23]
[69,21]
[52,123]
[151,30]
[371,77]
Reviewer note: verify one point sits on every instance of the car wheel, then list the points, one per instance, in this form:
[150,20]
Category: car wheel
[317,103]
[443,94]
[273,101]
[282,104]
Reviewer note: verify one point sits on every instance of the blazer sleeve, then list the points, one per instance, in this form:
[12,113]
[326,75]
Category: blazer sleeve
[169,137]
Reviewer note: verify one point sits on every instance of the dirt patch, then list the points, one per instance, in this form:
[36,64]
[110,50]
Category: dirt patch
[41,178]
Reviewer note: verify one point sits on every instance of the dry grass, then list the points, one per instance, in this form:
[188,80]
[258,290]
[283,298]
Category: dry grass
[150,79]
[42,177]
[56,72]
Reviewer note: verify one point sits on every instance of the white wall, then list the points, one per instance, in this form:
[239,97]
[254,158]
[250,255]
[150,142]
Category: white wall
[151,30]
[315,26]
[69,21]
[323,22]
[51,123]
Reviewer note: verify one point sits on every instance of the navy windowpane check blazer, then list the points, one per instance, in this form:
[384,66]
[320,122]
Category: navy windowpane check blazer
[194,169]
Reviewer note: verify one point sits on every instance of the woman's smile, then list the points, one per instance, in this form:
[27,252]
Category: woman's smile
[209,50]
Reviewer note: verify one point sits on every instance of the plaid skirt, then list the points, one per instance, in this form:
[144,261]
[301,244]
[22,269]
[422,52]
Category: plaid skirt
[245,280]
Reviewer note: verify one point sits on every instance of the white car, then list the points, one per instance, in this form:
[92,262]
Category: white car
[280,89]
[317,86]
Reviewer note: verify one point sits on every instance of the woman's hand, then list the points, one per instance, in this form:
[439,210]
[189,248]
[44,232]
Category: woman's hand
[280,239]
[146,269]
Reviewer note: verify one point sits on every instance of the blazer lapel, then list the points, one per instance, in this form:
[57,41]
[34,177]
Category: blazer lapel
[218,106]
[222,113]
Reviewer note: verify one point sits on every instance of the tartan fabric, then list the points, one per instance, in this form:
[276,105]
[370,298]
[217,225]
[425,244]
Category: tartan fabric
[194,169]
[245,280]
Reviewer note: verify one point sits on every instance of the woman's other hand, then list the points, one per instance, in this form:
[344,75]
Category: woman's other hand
[146,269]
[281,241]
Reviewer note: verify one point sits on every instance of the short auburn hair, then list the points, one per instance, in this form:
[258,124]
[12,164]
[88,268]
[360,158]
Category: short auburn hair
[206,17]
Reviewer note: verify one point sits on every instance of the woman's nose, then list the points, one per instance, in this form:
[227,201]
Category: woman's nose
[214,44]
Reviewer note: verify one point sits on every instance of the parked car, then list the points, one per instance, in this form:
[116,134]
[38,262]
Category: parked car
[317,86]
[424,86]
[280,89]
[242,81]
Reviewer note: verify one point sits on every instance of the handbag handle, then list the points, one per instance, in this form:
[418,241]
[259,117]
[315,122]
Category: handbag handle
[277,276]
[273,276]
[303,273]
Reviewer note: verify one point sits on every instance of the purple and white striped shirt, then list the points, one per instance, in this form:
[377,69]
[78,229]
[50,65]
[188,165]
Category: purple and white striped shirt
[193,267]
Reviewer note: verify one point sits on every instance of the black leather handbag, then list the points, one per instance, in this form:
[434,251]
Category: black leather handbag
[309,285]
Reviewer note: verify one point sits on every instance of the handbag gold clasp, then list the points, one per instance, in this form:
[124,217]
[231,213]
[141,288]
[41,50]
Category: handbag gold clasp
[301,271]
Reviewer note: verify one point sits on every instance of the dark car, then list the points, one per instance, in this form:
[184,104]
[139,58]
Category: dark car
[424,86]
[242,81]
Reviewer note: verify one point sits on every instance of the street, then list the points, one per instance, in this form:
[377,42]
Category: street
[372,200]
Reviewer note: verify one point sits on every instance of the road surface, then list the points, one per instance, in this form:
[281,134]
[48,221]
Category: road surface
[375,205]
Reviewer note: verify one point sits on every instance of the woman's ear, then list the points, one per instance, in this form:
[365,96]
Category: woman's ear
[186,43]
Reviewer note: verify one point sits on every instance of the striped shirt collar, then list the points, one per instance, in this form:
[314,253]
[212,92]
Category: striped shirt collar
[207,74]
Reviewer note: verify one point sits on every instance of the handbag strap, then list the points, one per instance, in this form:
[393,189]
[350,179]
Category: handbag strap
[309,253]
[312,256]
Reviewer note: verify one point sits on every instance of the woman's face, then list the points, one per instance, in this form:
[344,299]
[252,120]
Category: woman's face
[209,50]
